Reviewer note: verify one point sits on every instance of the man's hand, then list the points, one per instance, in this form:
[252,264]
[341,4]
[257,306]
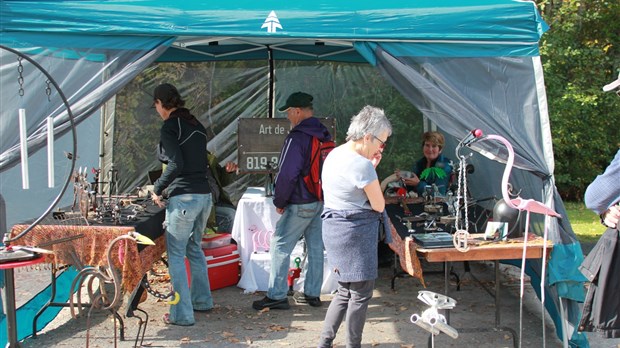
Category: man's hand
[611,216]
[231,167]
[280,210]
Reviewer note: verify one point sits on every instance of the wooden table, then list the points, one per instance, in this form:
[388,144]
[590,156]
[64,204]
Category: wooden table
[481,250]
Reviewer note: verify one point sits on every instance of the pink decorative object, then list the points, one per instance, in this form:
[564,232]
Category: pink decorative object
[530,206]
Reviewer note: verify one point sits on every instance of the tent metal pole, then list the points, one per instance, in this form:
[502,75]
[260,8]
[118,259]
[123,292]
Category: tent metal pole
[271,81]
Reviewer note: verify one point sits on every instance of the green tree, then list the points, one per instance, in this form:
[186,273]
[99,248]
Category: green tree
[580,54]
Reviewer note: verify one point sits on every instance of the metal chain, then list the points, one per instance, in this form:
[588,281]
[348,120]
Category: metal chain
[20,78]
[48,90]
[154,292]
[465,202]
[462,192]
[457,222]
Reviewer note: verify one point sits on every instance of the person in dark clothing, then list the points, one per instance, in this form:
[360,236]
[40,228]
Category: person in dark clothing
[184,140]
[602,304]
[301,210]
[223,212]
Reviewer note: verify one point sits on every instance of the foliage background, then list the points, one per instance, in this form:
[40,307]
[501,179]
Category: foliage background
[580,55]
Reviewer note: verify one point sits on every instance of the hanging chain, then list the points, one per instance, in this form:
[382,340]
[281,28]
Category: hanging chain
[465,202]
[457,224]
[20,78]
[48,90]
[462,192]
[460,237]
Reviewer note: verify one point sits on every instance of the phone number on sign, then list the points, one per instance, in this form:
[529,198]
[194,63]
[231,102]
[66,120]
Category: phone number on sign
[261,162]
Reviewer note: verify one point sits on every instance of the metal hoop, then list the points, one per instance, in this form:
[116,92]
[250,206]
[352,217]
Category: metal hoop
[6,240]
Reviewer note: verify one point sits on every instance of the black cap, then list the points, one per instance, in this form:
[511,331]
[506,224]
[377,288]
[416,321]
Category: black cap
[297,100]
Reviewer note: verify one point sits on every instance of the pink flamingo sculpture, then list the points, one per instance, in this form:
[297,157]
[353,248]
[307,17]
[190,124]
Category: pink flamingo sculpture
[530,206]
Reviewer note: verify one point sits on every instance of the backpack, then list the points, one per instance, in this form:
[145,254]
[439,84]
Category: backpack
[319,152]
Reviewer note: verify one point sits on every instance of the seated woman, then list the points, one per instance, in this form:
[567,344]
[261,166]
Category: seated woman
[433,168]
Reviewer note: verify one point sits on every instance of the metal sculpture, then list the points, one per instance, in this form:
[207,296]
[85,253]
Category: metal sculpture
[430,320]
[99,294]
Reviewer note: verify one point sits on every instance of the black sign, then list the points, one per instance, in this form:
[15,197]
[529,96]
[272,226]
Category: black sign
[260,140]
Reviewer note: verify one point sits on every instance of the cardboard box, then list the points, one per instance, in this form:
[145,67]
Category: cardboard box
[222,266]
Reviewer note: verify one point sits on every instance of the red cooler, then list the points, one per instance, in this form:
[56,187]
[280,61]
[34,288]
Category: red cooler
[222,266]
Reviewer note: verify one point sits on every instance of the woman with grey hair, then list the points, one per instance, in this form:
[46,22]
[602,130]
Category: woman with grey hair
[354,207]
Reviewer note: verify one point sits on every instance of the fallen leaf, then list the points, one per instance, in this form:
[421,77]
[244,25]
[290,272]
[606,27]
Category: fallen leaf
[185,340]
[227,334]
[276,328]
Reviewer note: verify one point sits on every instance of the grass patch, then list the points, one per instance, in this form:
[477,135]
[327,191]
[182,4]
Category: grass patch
[585,222]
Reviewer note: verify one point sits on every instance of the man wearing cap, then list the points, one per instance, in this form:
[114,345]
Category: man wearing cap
[300,210]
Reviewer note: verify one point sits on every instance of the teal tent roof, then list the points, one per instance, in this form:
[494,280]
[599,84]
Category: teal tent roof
[306,29]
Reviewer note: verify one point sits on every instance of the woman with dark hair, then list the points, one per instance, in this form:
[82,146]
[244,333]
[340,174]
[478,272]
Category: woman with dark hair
[184,140]
[354,207]
[432,169]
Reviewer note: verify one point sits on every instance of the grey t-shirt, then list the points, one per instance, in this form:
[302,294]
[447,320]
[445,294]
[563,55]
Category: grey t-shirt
[345,174]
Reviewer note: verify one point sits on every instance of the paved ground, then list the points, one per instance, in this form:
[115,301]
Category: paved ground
[233,323]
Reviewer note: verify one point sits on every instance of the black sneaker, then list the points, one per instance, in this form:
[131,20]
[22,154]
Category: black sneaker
[271,304]
[301,298]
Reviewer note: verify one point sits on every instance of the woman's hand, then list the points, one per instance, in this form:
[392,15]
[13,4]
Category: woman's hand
[157,200]
[412,181]
[376,159]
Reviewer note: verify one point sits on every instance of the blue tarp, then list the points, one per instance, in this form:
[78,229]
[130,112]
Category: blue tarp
[446,28]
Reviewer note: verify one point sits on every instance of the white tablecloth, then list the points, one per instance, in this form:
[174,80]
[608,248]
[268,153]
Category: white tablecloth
[256,215]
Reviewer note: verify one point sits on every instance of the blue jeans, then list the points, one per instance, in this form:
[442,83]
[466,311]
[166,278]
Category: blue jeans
[298,220]
[224,217]
[186,219]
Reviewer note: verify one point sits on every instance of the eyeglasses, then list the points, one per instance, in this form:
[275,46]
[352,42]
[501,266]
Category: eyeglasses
[382,146]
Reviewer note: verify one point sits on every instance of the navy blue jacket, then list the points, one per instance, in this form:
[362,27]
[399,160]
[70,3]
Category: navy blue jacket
[294,163]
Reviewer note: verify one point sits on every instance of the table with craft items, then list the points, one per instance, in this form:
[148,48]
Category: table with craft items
[409,254]
[496,251]
[255,223]
[83,245]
